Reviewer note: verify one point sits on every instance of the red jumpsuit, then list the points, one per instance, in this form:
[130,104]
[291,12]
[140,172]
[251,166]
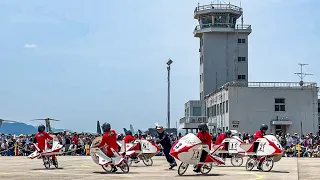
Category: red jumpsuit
[41,139]
[205,137]
[130,138]
[109,138]
[220,138]
[258,135]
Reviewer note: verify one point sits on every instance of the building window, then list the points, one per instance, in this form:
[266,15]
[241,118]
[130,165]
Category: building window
[242,41]
[196,111]
[201,42]
[227,106]
[220,108]
[241,77]
[200,77]
[279,104]
[241,59]
[223,107]
[201,59]
[214,110]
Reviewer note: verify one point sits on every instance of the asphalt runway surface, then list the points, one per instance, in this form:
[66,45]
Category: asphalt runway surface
[82,167]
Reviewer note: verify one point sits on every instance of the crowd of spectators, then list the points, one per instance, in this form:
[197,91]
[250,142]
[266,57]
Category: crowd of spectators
[79,143]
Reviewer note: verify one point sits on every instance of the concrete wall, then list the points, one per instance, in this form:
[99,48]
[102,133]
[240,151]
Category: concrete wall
[220,60]
[252,107]
[188,107]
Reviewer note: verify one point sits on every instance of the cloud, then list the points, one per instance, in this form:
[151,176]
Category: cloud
[30,46]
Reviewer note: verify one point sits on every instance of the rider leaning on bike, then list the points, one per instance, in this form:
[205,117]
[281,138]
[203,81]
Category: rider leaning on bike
[221,137]
[42,138]
[206,138]
[109,139]
[259,134]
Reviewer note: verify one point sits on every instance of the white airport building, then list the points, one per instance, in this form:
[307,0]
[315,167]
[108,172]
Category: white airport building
[227,100]
[283,106]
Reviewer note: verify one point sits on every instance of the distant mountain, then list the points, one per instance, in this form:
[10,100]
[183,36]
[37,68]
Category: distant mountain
[22,128]
[17,128]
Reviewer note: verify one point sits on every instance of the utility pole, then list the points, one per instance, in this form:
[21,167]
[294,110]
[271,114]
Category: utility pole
[301,74]
[168,105]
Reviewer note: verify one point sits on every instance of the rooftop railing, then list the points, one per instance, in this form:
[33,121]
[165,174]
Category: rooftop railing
[194,119]
[218,6]
[271,84]
[223,25]
[265,85]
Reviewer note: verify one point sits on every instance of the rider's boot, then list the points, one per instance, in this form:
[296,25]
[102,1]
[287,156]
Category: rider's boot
[136,159]
[259,165]
[114,168]
[172,165]
[198,169]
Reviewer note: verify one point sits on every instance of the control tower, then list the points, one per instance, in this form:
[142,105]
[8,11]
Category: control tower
[223,46]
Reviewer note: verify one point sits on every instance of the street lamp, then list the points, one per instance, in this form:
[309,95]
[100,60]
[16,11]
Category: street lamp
[168,105]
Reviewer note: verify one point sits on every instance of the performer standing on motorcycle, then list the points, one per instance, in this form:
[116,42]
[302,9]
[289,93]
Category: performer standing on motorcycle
[259,134]
[164,140]
[220,138]
[41,138]
[109,139]
[206,138]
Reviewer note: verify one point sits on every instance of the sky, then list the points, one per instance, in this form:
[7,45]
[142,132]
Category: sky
[82,61]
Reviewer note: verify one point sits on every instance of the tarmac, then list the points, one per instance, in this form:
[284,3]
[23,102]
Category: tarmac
[82,167]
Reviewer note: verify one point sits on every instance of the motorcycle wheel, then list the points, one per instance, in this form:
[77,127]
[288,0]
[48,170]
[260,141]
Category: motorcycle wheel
[206,168]
[250,164]
[268,162]
[46,162]
[56,165]
[124,167]
[128,160]
[236,161]
[147,161]
[182,168]
[105,168]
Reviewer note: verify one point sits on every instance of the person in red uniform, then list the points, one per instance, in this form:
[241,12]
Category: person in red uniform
[42,138]
[109,139]
[206,138]
[220,138]
[259,134]
[129,138]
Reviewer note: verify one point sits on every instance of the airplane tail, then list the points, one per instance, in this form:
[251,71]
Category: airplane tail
[139,131]
[125,130]
[98,128]
[131,129]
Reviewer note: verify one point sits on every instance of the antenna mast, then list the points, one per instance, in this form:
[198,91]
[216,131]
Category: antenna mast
[301,74]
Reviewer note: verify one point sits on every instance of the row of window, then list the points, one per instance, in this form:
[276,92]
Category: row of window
[241,41]
[241,77]
[218,109]
[240,59]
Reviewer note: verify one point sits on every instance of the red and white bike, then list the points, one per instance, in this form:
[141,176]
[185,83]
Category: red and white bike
[189,149]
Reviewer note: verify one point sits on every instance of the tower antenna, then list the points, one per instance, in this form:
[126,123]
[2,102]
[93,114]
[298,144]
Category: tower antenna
[301,74]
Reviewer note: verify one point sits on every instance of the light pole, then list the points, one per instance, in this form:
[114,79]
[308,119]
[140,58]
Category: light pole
[168,105]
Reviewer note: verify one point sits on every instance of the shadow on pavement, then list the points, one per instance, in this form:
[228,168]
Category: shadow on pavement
[208,175]
[50,169]
[114,173]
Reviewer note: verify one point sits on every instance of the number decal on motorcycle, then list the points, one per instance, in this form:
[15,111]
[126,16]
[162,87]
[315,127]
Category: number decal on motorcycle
[233,146]
[261,146]
[178,146]
[196,155]
[145,146]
